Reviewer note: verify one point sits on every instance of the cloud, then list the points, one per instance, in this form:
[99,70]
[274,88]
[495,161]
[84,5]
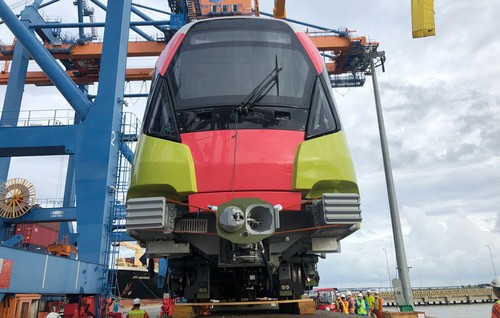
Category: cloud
[440,99]
[497,223]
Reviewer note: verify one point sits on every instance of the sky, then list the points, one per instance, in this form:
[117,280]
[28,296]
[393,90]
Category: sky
[441,104]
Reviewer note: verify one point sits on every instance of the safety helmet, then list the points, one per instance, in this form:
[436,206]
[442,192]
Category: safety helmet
[137,301]
[342,295]
[496,282]
[349,292]
[360,295]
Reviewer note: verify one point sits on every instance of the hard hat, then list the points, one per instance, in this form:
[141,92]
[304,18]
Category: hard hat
[360,295]
[137,301]
[369,291]
[376,292]
[349,292]
[496,282]
[342,295]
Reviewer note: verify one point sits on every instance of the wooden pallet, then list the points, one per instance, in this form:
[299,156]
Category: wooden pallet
[190,310]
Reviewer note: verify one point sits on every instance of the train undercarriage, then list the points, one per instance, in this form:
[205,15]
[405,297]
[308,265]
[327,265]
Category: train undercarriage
[244,249]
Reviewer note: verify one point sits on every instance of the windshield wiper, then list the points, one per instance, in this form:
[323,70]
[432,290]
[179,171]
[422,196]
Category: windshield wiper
[260,91]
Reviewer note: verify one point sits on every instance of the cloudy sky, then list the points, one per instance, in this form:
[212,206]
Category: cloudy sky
[441,103]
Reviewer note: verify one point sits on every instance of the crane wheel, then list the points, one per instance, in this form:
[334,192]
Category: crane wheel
[17,196]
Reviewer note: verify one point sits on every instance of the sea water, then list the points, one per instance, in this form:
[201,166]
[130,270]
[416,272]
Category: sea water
[454,311]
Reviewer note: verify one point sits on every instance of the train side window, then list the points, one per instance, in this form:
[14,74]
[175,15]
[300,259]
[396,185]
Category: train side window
[162,120]
[321,118]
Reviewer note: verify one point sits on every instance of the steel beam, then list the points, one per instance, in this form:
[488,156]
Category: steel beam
[40,215]
[96,24]
[68,89]
[134,28]
[97,156]
[32,16]
[57,275]
[38,141]
[92,50]
[12,106]
[41,79]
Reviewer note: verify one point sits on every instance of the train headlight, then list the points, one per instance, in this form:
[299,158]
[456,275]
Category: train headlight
[232,219]
[246,220]
[260,218]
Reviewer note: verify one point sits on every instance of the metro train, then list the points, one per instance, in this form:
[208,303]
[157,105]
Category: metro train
[242,176]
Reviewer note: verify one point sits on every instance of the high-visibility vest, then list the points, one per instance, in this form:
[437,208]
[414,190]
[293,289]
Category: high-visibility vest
[495,311]
[361,307]
[137,313]
[378,303]
[345,306]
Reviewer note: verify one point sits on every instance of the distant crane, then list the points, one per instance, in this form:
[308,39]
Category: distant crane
[138,252]
[422,16]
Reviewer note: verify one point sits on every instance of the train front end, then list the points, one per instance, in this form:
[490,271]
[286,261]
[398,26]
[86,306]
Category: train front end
[242,176]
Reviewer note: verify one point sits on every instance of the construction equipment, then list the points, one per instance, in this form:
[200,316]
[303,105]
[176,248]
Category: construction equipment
[63,248]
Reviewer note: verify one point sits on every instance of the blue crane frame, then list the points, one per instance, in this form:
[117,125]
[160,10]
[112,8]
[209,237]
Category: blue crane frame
[93,144]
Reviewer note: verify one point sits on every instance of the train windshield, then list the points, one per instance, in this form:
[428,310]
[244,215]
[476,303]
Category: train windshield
[220,62]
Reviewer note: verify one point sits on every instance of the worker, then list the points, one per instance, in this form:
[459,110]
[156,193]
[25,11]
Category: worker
[377,308]
[136,311]
[361,306]
[344,305]
[338,302]
[351,301]
[370,299]
[495,311]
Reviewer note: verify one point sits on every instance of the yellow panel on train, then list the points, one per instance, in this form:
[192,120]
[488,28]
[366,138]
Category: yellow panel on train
[422,16]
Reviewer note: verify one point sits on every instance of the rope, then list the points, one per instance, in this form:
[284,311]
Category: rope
[189,205]
[306,229]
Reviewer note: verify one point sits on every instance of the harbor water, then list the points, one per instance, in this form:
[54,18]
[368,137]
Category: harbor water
[455,311]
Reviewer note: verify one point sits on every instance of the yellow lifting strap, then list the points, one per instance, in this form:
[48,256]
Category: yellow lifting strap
[422,18]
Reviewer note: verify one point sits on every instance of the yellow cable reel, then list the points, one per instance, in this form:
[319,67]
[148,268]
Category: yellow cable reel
[17,196]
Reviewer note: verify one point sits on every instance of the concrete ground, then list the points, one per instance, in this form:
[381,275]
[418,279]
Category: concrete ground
[154,309]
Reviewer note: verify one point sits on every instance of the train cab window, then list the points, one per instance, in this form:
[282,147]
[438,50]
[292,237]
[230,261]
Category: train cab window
[161,122]
[321,118]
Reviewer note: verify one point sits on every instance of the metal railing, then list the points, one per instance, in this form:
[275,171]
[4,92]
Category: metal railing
[36,118]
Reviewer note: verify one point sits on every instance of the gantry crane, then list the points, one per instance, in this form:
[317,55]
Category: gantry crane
[82,59]
[138,252]
[422,16]
[95,142]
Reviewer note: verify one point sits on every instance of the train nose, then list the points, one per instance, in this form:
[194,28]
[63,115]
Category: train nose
[246,220]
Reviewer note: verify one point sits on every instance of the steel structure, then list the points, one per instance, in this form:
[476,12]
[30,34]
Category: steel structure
[95,142]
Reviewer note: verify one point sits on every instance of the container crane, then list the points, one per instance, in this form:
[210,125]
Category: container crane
[422,16]
[139,251]
[89,140]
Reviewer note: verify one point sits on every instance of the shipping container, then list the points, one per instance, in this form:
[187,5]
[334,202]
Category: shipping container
[50,225]
[37,235]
